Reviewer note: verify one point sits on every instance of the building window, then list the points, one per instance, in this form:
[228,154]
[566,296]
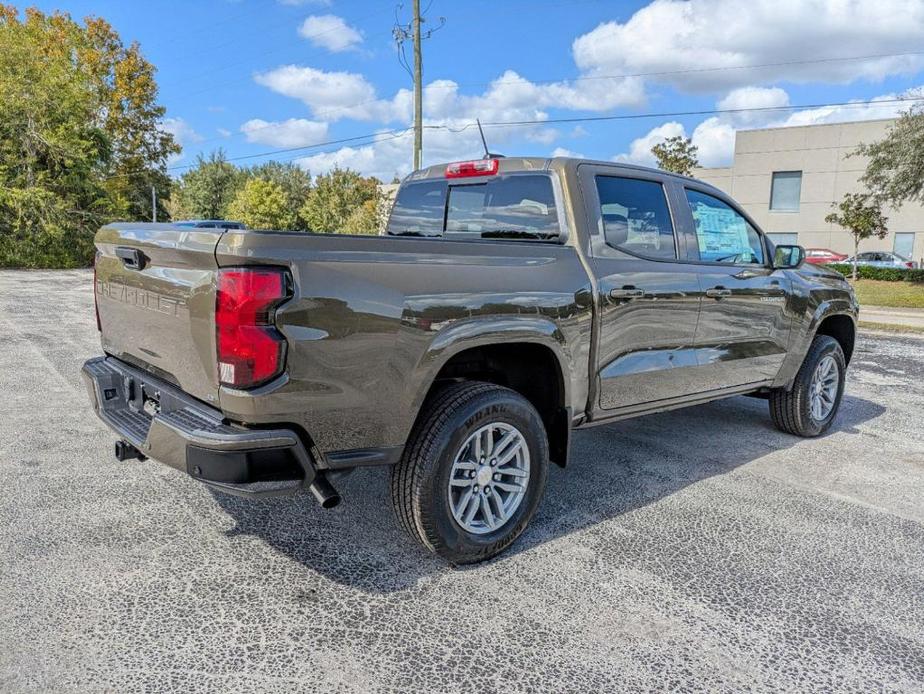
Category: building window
[904,245]
[784,239]
[785,191]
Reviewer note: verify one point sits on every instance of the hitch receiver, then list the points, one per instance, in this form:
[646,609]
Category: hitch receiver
[125,451]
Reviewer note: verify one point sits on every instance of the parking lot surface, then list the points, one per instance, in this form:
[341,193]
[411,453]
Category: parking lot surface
[694,550]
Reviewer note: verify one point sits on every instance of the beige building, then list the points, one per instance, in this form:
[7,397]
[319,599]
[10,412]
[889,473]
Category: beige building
[788,179]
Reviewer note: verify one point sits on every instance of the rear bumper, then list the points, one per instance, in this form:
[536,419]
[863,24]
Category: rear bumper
[164,423]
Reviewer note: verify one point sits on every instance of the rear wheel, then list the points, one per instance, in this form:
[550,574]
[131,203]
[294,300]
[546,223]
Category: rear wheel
[812,404]
[473,471]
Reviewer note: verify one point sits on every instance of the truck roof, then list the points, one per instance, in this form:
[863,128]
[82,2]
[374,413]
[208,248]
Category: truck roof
[516,164]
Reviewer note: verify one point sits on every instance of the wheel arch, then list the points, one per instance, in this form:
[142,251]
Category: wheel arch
[529,360]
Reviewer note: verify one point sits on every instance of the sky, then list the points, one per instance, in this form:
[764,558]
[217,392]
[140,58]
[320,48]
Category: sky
[320,82]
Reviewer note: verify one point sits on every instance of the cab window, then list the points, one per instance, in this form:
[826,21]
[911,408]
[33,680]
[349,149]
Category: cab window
[723,235]
[635,216]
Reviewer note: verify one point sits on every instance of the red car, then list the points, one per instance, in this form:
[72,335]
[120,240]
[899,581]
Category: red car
[820,256]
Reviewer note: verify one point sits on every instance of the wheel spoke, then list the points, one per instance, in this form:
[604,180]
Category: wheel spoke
[462,503]
[501,513]
[472,507]
[510,453]
[505,441]
[488,446]
[507,487]
[465,465]
[461,482]
[513,471]
[486,511]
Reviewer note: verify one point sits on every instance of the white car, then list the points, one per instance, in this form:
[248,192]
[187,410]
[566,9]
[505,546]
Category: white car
[881,259]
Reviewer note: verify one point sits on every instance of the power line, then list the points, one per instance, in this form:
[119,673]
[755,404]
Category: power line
[384,135]
[322,113]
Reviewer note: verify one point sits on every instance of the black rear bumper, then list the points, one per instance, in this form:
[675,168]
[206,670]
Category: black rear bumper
[164,423]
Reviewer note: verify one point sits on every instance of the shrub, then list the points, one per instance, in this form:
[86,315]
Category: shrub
[884,274]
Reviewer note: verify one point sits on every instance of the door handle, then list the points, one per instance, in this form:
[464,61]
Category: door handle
[132,258]
[627,293]
[718,292]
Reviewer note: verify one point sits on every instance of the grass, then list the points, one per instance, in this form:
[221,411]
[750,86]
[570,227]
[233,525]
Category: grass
[893,294]
[890,327]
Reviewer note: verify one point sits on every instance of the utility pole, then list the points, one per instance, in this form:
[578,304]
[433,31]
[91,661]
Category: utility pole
[412,31]
[418,95]
[153,204]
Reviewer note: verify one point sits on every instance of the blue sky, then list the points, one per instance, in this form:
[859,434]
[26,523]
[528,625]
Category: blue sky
[254,76]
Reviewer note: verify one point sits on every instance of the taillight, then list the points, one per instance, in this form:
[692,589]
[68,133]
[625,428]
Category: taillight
[479,167]
[99,326]
[250,350]
[909,264]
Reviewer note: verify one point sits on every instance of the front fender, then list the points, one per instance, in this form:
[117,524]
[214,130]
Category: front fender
[803,332]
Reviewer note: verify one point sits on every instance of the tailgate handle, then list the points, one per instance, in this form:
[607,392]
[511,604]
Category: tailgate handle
[132,258]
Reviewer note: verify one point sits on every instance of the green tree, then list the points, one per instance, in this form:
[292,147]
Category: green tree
[261,204]
[294,181]
[337,196]
[895,171]
[206,190]
[861,215]
[79,136]
[676,154]
[365,219]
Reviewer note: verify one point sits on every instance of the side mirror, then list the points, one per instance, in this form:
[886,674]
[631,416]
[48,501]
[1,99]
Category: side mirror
[788,257]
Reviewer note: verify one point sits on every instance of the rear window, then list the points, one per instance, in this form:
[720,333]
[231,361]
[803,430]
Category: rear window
[512,206]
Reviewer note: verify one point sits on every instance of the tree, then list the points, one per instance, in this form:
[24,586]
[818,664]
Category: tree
[206,190]
[676,154]
[365,219]
[895,171]
[294,181]
[336,197]
[80,137]
[861,215]
[261,204]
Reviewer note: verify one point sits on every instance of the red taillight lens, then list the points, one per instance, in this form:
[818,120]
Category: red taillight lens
[480,167]
[909,264]
[250,350]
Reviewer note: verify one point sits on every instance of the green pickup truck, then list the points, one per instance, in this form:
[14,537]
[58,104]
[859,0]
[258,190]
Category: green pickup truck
[509,301]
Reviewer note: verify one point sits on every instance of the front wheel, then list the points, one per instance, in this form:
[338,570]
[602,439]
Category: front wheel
[811,406]
[472,473]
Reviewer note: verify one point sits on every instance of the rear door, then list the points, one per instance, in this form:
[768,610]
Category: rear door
[155,289]
[746,314]
[648,301]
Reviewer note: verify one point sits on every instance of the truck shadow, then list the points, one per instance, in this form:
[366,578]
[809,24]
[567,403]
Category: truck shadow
[614,469]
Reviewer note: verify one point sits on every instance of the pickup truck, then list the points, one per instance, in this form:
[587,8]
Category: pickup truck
[508,302]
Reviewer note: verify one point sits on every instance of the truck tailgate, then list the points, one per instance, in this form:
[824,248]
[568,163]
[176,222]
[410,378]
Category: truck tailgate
[155,292]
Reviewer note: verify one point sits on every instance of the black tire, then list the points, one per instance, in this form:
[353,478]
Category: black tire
[419,482]
[791,410]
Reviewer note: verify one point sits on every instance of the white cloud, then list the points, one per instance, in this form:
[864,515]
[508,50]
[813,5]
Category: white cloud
[640,149]
[562,152]
[334,95]
[689,37]
[331,32]
[182,131]
[294,132]
[715,136]
[224,132]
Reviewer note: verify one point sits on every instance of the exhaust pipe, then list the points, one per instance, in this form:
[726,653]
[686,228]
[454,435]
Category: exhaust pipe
[125,451]
[326,495]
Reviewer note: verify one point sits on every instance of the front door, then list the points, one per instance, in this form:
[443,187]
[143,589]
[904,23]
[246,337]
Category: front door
[648,301]
[745,318]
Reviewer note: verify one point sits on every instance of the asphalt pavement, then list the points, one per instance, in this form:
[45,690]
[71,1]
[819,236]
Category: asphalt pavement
[694,550]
